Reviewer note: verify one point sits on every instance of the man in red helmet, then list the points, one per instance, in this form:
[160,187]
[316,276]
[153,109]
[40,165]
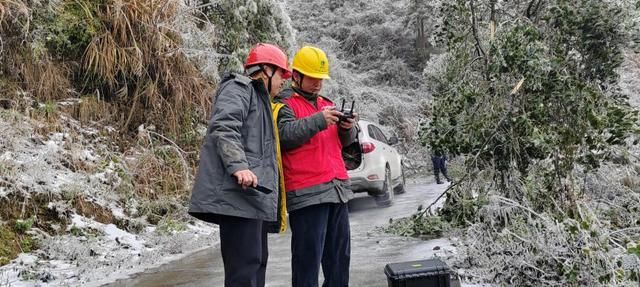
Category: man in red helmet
[237,182]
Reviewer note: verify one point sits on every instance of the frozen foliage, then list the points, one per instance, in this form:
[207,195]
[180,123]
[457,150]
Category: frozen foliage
[88,222]
[36,164]
[198,43]
[540,203]
[512,244]
[630,77]
[234,26]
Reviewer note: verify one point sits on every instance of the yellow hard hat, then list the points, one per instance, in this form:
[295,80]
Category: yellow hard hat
[311,62]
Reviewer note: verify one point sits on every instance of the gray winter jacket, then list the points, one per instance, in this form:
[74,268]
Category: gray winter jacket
[240,136]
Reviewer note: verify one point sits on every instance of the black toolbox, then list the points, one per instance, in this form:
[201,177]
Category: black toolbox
[422,273]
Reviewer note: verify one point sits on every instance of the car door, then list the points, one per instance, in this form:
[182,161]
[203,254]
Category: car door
[389,152]
[379,154]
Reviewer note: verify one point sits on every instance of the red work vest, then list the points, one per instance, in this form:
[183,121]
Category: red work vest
[320,159]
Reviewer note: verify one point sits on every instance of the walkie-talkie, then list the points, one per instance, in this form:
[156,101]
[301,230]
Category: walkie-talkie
[348,114]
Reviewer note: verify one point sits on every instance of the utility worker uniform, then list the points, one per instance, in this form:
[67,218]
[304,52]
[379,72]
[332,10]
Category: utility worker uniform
[316,179]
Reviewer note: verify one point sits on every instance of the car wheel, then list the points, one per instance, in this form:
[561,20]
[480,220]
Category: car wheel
[403,182]
[387,198]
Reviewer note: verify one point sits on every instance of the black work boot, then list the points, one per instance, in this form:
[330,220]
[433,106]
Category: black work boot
[438,181]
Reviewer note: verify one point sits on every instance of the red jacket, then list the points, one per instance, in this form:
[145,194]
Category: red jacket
[320,159]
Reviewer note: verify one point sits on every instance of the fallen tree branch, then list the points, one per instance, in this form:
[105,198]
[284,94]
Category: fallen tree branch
[512,94]
[475,31]
[516,204]
[637,229]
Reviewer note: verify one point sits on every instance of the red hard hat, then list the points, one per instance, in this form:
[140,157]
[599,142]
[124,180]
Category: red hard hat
[268,54]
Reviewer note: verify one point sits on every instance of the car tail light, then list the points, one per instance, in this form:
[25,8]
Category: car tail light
[368,147]
[372,177]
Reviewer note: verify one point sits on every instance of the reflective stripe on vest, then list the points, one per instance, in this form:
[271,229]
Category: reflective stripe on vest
[275,107]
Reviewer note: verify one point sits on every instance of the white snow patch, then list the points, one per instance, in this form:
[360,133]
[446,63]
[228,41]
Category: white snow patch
[25,258]
[6,156]
[117,211]
[122,237]
[95,260]
[9,277]
[79,221]
[64,179]
[87,155]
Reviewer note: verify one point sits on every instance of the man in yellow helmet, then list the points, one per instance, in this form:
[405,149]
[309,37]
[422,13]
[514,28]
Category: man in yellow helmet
[312,134]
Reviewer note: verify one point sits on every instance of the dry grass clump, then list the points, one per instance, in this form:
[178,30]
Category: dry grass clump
[126,52]
[10,9]
[137,54]
[93,109]
[160,172]
[45,79]
[120,63]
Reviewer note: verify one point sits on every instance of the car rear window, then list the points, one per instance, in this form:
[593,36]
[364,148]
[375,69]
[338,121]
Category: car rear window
[377,134]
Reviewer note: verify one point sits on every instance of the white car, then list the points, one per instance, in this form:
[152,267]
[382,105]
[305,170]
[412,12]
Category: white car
[374,165]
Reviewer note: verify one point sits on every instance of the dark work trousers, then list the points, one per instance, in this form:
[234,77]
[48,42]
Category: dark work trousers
[440,166]
[243,243]
[320,234]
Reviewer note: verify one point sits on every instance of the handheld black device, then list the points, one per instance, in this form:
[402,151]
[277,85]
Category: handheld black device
[347,114]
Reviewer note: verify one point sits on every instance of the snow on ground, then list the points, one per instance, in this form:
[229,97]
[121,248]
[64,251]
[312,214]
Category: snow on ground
[89,253]
[103,257]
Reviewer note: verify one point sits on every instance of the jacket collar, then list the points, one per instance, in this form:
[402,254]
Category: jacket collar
[308,96]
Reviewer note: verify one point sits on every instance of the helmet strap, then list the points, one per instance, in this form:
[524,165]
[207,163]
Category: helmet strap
[269,77]
[253,69]
[300,79]
[300,89]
